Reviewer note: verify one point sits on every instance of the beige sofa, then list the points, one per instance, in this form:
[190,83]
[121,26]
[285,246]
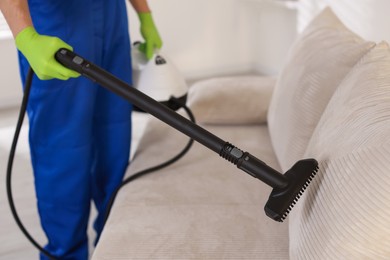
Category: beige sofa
[330,102]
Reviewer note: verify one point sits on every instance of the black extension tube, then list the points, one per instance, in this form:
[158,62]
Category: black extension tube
[243,160]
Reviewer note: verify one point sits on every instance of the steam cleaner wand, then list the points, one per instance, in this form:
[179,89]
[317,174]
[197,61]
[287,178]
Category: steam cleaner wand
[287,188]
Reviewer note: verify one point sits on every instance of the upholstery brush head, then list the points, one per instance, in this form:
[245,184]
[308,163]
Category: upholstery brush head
[282,200]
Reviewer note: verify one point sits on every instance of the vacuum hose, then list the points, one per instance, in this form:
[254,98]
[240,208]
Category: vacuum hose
[11,157]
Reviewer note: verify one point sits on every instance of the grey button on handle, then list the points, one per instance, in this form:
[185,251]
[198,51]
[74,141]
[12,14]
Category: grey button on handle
[78,60]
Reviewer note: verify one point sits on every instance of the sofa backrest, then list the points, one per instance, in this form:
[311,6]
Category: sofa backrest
[231,100]
[318,61]
[345,212]
[332,103]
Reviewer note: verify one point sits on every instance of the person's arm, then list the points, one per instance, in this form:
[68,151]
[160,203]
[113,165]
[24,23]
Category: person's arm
[140,6]
[148,29]
[17,15]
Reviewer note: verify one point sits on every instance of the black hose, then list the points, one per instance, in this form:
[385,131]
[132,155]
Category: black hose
[22,112]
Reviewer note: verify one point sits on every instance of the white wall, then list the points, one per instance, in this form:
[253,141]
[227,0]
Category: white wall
[273,29]
[208,37]
[202,37]
[10,84]
[368,18]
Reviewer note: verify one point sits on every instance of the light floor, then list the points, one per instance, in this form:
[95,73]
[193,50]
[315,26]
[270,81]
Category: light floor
[13,244]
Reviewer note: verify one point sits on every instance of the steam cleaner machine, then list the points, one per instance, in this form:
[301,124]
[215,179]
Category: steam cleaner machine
[287,188]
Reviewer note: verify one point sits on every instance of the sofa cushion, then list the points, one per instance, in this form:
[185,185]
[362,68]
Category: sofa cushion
[231,100]
[201,207]
[345,212]
[317,63]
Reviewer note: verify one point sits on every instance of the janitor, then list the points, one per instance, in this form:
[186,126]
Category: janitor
[79,133]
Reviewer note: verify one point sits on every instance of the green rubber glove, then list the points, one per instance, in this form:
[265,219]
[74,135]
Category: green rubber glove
[39,50]
[150,34]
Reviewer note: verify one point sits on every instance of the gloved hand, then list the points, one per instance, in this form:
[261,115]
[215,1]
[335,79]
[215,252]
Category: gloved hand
[150,34]
[39,50]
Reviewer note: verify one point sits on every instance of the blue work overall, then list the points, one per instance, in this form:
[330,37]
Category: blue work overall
[80,133]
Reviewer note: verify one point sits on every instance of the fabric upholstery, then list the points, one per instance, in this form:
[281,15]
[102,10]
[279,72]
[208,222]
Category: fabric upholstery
[345,212]
[231,100]
[317,63]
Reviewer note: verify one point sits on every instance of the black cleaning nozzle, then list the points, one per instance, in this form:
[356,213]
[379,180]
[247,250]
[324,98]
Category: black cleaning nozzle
[287,188]
[282,200]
